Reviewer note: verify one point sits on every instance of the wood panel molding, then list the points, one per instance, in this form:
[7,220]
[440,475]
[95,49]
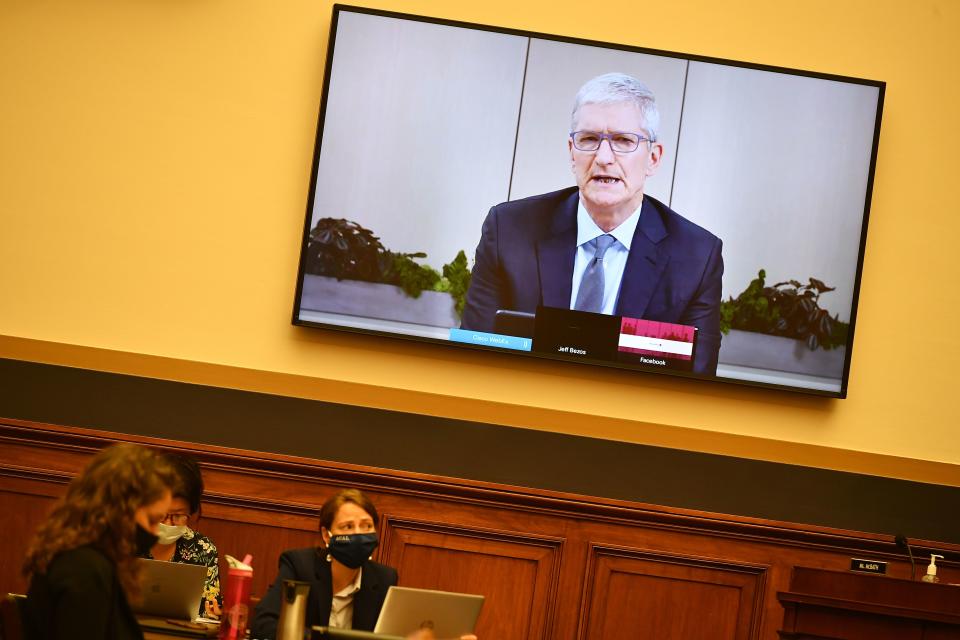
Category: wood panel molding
[54,355]
[30,439]
[682,584]
[552,565]
[474,559]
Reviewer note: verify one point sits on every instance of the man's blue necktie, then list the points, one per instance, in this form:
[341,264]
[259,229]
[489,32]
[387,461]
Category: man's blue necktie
[590,295]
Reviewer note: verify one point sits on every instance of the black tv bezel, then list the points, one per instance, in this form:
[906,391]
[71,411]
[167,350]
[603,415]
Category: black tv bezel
[311,197]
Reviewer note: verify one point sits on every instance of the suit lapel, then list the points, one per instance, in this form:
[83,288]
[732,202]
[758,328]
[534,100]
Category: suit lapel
[365,602]
[556,253]
[645,263]
[323,596]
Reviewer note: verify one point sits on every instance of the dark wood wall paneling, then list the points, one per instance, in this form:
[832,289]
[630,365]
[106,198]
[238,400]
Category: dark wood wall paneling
[485,452]
[553,566]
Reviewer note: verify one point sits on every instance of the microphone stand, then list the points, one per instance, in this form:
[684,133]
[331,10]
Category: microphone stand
[902,542]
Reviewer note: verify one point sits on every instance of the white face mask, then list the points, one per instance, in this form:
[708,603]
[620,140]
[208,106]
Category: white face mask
[169,534]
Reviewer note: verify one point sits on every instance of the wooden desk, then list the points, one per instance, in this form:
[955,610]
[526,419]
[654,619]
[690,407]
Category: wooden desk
[842,605]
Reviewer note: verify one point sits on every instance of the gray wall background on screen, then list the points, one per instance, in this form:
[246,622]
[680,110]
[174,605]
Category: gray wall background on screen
[774,164]
[420,125]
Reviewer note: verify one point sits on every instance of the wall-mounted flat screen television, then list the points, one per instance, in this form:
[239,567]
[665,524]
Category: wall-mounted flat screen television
[588,202]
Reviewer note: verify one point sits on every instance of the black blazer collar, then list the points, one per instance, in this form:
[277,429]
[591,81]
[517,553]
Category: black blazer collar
[556,253]
[366,604]
[645,263]
[367,601]
[322,597]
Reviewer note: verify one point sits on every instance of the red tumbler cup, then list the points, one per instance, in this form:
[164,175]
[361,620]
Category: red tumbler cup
[236,604]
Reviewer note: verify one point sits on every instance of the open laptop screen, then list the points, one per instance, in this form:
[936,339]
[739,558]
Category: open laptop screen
[449,615]
[170,589]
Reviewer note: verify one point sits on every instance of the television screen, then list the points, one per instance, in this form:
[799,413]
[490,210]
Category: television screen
[588,202]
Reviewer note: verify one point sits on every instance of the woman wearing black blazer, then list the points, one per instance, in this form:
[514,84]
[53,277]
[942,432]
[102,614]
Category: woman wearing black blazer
[310,565]
[82,563]
[347,589]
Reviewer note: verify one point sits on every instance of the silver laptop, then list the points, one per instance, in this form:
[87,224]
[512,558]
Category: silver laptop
[170,589]
[450,615]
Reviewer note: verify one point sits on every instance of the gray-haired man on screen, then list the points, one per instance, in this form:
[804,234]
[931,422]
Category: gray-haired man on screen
[603,246]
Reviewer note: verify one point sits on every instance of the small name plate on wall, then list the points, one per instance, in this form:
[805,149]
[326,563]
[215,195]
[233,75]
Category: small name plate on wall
[868,566]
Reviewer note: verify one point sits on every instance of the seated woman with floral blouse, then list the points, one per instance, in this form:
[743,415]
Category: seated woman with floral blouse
[179,542]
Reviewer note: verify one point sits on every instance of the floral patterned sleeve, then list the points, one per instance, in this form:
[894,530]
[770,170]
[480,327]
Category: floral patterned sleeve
[195,548]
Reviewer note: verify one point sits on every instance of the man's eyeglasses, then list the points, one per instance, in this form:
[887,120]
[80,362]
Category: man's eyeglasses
[175,519]
[620,141]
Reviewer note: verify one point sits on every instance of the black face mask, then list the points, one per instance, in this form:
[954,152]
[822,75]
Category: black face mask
[145,541]
[352,550]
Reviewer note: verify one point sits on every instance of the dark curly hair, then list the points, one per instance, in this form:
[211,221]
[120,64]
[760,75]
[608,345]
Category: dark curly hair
[190,479]
[99,507]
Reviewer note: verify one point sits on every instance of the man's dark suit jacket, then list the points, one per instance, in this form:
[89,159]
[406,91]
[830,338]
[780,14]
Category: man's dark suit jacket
[79,596]
[310,565]
[526,255]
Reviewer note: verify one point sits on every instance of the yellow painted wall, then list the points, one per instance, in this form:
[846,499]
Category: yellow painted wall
[154,164]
